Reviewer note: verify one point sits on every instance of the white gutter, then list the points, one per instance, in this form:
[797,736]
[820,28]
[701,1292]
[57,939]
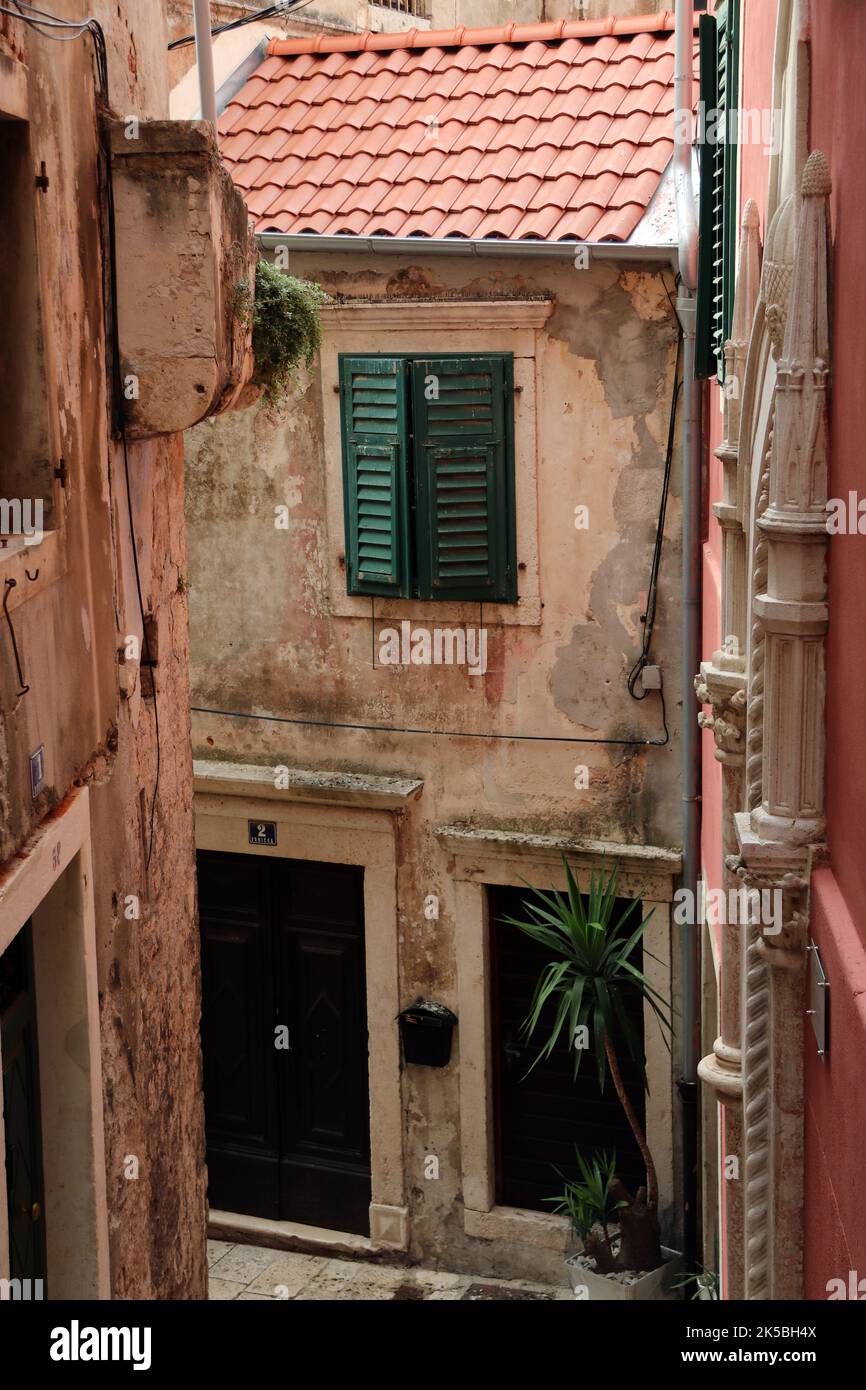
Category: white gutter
[204,60]
[468,246]
[684,67]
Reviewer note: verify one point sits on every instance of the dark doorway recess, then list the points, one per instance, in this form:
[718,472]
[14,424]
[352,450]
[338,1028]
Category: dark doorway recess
[287,1128]
[542,1116]
[21,1113]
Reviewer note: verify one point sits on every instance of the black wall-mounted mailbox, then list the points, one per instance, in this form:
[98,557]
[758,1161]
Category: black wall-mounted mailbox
[425,1032]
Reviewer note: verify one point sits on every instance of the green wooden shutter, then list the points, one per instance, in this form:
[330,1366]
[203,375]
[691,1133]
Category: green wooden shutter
[374,416]
[719,95]
[464,478]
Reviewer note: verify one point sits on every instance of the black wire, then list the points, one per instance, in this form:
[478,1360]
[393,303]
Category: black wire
[649,616]
[444,733]
[269,12]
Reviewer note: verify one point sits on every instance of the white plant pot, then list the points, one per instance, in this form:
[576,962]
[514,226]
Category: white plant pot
[600,1288]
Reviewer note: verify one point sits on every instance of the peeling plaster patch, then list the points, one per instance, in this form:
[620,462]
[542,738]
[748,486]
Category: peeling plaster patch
[586,678]
[636,509]
[646,451]
[630,352]
[294,491]
[413,280]
[628,617]
[647,294]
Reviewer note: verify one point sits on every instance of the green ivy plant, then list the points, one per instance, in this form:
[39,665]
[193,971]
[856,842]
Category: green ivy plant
[287,329]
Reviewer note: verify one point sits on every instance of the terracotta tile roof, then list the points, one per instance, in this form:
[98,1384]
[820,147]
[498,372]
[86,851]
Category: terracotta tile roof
[555,131]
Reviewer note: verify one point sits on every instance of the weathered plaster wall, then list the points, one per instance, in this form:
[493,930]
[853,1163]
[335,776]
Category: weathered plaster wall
[482,12]
[69,625]
[271,631]
[262,609]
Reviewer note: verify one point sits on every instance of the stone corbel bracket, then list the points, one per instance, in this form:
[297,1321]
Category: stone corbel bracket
[185,276]
[725,691]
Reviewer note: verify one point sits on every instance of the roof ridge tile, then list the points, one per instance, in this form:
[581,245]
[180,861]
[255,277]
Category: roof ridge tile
[545,32]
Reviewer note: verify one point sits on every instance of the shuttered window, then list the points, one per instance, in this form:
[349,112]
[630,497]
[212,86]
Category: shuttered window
[719,96]
[428,466]
[373,398]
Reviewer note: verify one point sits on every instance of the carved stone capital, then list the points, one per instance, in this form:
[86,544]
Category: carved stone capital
[725,691]
[726,515]
[784,871]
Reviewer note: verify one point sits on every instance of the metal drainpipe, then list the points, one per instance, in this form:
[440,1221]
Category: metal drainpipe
[204,60]
[691,624]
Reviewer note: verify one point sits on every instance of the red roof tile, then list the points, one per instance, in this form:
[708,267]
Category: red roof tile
[557,131]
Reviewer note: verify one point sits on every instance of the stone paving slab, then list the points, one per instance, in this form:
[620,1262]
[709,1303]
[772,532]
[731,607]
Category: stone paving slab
[250,1272]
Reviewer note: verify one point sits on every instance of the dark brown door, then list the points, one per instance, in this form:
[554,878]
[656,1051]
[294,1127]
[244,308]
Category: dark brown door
[21,1114]
[283,963]
[543,1115]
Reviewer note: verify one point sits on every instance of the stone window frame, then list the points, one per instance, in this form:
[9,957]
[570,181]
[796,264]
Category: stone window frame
[488,858]
[46,560]
[426,328]
[52,883]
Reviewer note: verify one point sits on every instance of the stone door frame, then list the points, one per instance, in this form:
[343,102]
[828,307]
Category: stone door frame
[51,882]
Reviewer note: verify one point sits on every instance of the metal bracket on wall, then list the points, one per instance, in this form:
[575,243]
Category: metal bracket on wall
[819,987]
[10,585]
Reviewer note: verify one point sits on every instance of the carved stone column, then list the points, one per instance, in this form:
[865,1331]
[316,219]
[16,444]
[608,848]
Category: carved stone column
[735,579]
[722,684]
[725,692]
[778,838]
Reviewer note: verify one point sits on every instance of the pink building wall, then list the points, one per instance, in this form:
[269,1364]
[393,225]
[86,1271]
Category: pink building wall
[835,1100]
[835,1120]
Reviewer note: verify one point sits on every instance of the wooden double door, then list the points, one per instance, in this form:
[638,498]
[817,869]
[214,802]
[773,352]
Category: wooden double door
[284,1039]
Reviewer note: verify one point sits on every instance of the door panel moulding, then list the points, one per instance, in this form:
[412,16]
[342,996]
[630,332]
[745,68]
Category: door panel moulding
[334,818]
[51,881]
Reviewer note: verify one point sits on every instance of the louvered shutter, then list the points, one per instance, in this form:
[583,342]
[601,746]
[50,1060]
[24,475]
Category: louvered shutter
[464,478]
[719,94]
[374,420]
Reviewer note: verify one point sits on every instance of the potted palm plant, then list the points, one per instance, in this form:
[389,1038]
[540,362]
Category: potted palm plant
[584,989]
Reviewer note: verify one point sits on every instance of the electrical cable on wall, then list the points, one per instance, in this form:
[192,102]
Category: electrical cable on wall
[649,616]
[257,16]
[442,733]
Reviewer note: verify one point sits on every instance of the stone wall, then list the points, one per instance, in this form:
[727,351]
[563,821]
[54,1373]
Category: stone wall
[71,622]
[275,634]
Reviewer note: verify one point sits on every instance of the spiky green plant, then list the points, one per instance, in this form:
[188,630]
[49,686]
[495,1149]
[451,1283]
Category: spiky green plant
[706,1285]
[589,981]
[588,1201]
